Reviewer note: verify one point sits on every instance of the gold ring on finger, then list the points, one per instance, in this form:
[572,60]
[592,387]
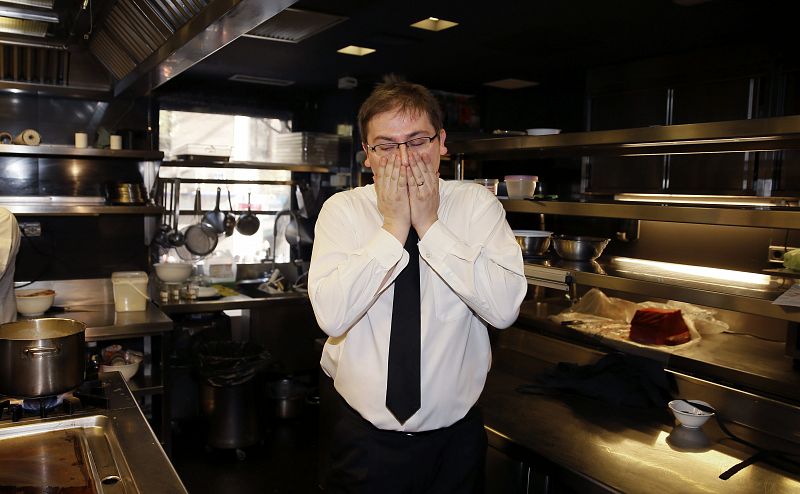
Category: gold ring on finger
[420,184]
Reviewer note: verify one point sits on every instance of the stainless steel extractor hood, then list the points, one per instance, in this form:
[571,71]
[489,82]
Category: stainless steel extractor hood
[145,43]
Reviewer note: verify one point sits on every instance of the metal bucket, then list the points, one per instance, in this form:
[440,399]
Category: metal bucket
[41,357]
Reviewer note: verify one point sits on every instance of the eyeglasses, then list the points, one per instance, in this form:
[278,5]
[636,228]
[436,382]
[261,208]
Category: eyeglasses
[388,148]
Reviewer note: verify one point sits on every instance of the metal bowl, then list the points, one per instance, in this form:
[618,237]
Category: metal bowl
[533,242]
[579,248]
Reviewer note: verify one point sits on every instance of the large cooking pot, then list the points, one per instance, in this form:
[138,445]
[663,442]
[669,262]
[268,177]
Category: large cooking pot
[41,357]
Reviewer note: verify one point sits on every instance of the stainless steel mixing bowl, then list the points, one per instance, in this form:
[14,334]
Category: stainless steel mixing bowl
[533,242]
[578,247]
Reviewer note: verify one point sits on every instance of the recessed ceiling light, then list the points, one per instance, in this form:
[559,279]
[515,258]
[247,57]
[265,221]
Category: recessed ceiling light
[434,24]
[511,83]
[358,51]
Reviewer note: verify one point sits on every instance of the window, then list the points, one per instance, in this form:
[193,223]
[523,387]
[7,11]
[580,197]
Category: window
[206,137]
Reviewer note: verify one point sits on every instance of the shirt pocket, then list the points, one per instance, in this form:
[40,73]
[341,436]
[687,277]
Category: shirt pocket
[448,305]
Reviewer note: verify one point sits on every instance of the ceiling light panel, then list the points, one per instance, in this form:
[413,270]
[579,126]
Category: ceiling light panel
[254,79]
[358,51]
[434,24]
[24,27]
[511,83]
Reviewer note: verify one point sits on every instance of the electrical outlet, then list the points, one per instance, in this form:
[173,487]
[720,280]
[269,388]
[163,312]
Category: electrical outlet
[32,229]
[775,254]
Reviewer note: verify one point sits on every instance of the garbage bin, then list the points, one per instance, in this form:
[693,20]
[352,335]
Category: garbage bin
[230,392]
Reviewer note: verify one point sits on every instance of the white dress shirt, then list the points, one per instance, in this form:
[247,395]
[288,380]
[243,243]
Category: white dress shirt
[9,245]
[471,274]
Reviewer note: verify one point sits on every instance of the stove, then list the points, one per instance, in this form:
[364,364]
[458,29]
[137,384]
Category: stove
[90,396]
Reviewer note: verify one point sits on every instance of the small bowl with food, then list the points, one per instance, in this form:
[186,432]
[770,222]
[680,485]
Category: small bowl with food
[125,362]
[34,302]
[691,413]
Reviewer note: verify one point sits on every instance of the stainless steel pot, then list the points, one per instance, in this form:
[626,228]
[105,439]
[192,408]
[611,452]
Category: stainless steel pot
[41,357]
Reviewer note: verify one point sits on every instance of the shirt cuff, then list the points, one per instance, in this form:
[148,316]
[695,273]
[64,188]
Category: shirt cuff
[439,242]
[385,249]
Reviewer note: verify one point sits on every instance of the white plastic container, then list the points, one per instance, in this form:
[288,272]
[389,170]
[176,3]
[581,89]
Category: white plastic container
[130,290]
[521,186]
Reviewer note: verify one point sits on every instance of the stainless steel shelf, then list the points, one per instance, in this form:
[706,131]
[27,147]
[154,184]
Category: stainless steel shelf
[611,274]
[45,150]
[763,134]
[79,210]
[255,165]
[763,217]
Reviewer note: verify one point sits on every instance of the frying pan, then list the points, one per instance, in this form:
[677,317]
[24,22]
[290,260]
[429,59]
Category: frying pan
[216,218]
[248,223]
[230,219]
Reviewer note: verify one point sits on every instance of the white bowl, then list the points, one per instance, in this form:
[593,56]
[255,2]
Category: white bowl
[542,132]
[34,302]
[127,370]
[689,416]
[173,272]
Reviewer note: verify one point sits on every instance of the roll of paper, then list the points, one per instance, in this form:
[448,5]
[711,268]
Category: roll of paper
[115,142]
[28,137]
[6,138]
[81,140]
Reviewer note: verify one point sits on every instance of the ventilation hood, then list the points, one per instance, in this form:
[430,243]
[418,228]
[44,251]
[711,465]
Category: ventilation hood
[141,43]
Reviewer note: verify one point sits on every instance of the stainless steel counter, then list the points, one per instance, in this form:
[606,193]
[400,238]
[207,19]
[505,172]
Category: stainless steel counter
[120,451]
[231,303]
[617,448]
[103,322]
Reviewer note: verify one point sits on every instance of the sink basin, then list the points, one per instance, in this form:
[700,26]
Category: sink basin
[76,455]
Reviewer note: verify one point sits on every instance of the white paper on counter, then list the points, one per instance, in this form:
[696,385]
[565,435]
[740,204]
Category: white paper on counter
[790,297]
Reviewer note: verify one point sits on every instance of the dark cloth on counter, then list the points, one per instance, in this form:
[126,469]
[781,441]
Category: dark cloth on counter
[616,378]
[365,459]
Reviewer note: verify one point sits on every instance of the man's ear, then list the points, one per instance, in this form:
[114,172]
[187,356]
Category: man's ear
[442,147]
[366,151]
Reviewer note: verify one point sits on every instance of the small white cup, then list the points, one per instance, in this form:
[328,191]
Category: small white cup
[81,140]
[115,142]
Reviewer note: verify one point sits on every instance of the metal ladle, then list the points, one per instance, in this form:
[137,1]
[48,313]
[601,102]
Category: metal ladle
[175,237]
[248,223]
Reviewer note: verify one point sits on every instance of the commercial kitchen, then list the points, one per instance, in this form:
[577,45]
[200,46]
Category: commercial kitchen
[164,163]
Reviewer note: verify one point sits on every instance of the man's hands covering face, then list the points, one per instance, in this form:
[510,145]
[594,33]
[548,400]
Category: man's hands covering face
[408,194]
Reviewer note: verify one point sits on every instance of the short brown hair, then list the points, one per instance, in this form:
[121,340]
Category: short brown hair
[406,97]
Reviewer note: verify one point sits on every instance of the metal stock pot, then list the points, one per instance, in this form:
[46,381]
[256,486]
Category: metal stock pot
[41,357]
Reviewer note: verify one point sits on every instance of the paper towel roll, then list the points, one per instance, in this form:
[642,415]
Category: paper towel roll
[29,137]
[115,142]
[81,139]
[6,138]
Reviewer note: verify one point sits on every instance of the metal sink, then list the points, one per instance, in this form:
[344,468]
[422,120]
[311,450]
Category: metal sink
[77,454]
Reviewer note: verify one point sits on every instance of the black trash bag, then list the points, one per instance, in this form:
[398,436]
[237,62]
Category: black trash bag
[616,378]
[228,363]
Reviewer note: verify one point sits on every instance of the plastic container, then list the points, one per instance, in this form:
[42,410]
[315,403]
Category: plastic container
[521,186]
[130,290]
[489,183]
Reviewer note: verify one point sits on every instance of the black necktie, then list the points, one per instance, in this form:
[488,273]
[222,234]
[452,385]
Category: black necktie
[403,381]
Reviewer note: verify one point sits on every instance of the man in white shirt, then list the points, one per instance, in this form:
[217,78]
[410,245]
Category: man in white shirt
[408,421]
[9,245]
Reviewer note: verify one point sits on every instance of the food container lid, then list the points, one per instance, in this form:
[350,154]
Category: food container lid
[532,233]
[128,276]
[521,177]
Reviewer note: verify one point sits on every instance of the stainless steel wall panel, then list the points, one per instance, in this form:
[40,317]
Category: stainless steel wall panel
[19,176]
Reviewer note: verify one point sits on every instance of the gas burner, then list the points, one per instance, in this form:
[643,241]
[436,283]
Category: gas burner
[90,395]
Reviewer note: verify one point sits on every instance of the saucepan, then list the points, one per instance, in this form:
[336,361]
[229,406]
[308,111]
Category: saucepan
[41,357]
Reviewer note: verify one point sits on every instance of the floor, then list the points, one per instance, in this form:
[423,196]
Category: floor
[286,462]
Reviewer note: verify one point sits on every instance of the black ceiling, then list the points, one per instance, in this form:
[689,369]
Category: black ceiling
[536,40]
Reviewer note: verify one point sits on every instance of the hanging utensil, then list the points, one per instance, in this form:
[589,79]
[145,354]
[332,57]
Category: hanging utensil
[161,237]
[176,237]
[230,219]
[200,238]
[248,223]
[216,218]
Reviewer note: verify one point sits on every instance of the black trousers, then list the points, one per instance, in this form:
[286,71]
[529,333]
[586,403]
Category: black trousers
[365,459]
